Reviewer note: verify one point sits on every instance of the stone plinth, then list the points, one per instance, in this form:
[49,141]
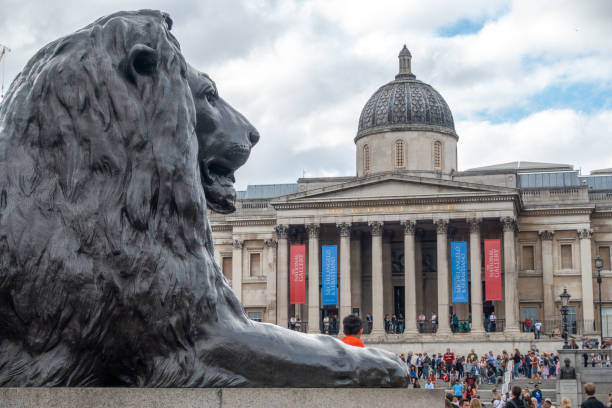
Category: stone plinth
[211,397]
[568,389]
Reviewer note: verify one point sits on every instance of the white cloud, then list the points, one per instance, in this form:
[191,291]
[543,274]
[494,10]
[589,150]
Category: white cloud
[301,71]
[554,136]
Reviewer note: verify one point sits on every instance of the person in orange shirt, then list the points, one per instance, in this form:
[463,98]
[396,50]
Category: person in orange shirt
[353,330]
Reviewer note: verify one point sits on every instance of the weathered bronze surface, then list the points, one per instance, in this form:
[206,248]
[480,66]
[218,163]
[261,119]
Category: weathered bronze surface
[111,146]
[567,372]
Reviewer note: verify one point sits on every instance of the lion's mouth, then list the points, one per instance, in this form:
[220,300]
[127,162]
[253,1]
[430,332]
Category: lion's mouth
[218,182]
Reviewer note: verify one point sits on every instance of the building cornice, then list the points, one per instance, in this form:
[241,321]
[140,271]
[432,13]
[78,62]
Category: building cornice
[220,227]
[242,222]
[365,202]
[602,213]
[405,127]
[581,210]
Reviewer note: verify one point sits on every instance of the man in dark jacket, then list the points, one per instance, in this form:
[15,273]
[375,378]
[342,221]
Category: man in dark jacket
[516,401]
[591,401]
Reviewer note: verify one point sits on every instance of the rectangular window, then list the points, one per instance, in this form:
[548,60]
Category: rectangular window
[528,258]
[227,267]
[606,313]
[572,327]
[255,264]
[399,154]
[255,316]
[437,155]
[566,257]
[604,253]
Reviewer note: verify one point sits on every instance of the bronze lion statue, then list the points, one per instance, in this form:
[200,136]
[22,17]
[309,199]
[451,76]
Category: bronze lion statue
[111,146]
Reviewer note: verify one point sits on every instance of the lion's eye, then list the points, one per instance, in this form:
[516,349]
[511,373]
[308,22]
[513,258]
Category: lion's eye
[211,96]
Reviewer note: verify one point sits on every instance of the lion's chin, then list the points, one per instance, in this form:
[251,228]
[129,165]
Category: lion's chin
[218,182]
[220,198]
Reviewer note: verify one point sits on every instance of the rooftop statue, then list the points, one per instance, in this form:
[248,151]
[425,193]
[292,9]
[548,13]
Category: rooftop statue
[111,148]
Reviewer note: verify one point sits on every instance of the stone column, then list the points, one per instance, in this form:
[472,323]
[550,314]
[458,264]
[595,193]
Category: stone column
[511,275]
[345,272]
[476,274]
[586,272]
[356,271]
[282,292]
[442,250]
[420,288]
[410,308]
[237,268]
[547,274]
[314,297]
[388,305]
[378,324]
[270,272]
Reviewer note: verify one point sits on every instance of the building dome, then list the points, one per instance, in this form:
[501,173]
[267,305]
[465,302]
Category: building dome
[405,104]
[406,126]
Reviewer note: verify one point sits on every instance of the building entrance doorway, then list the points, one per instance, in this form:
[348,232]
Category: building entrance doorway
[398,300]
[398,307]
[329,320]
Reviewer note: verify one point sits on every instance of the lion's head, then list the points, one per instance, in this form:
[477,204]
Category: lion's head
[225,138]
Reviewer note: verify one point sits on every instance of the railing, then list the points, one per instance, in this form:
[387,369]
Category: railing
[427,327]
[254,204]
[461,326]
[332,329]
[553,328]
[600,196]
[555,194]
[495,326]
[550,328]
[300,326]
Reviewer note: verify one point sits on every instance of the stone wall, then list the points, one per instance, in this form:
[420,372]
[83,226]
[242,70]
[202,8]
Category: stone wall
[464,347]
[217,398]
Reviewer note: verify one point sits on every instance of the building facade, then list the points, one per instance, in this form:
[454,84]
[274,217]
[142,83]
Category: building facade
[393,223]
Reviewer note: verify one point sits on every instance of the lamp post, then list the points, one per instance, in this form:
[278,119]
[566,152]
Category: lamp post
[564,301]
[599,265]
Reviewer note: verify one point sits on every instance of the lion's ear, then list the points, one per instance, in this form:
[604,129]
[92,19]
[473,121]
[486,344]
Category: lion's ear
[141,60]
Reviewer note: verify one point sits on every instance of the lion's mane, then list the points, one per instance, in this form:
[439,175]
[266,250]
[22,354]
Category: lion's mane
[105,247]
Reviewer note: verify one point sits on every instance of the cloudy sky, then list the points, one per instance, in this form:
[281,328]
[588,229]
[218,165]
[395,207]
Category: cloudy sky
[525,80]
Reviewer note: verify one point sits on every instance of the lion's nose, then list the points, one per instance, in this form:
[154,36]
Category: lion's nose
[253,137]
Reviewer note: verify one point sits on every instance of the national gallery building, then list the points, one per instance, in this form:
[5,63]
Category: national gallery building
[411,234]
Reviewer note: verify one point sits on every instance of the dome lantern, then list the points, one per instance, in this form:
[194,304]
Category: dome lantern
[405,64]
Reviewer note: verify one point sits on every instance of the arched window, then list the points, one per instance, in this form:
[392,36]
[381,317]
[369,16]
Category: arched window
[399,154]
[437,155]
[366,158]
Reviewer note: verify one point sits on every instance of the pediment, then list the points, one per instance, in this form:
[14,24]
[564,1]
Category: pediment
[396,187]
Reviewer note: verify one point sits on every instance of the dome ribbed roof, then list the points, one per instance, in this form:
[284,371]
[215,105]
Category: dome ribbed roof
[405,104]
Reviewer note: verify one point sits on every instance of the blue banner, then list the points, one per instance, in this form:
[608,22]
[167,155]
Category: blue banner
[329,275]
[460,271]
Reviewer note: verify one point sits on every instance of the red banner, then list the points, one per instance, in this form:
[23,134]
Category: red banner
[297,275]
[492,258]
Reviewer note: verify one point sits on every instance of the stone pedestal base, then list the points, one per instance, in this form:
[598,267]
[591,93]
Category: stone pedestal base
[568,389]
[221,397]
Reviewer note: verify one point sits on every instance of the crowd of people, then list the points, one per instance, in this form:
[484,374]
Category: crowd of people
[489,368]
[523,398]
[463,374]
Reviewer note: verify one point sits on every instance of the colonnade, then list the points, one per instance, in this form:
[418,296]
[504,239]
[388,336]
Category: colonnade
[376,229]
